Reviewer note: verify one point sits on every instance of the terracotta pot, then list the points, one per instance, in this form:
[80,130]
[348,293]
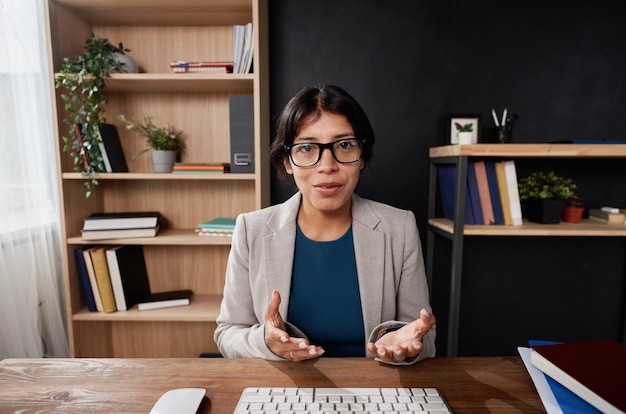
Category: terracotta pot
[573,214]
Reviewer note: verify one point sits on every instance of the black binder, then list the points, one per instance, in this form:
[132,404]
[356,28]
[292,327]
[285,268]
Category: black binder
[241,134]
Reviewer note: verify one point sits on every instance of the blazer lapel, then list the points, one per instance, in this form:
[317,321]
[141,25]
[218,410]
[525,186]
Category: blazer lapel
[369,246]
[278,248]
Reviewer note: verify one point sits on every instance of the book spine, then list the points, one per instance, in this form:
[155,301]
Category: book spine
[116,278]
[504,193]
[104,279]
[92,280]
[84,279]
[474,197]
[483,192]
[513,190]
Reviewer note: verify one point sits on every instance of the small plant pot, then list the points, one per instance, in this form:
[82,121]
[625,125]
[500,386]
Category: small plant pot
[163,161]
[573,214]
[465,138]
[541,211]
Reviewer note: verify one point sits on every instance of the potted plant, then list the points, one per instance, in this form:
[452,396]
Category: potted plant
[165,142]
[573,211]
[464,133]
[84,79]
[544,196]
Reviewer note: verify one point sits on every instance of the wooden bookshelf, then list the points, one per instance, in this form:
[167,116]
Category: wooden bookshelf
[456,230]
[196,103]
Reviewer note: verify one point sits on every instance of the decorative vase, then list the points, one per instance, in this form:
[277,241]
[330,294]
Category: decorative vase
[543,211]
[130,66]
[573,214]
[163,161]
[465,137]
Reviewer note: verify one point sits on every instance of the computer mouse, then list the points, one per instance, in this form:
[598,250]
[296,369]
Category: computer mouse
[179,401]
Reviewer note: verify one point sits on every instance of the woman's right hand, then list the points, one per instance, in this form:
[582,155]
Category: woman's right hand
[279,341]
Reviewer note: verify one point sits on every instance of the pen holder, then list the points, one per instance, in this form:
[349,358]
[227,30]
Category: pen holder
[504,134]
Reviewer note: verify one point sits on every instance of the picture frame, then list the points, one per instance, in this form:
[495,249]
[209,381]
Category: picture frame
[462,119]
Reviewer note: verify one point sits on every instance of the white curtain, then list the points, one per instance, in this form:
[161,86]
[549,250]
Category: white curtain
[32,322]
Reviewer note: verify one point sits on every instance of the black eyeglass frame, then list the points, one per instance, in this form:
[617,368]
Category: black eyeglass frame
[322,147]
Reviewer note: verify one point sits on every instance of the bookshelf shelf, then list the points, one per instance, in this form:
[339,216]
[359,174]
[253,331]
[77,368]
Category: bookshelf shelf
[163,177]
[585,228]
[456,230]
[202,308]
[531,150]
[165,237]
[196,103]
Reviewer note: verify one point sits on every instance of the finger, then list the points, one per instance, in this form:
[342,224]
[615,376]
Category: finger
[426,321]
[272,315]
[427,318]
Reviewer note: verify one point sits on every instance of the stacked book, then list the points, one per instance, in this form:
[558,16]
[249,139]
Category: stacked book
[220,226]
[196,167]
[608,215]
[183,66]
[578,377]
[114,278]
[102,226]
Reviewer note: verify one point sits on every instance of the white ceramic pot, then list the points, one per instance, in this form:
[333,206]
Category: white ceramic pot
[465,137]
[130,65]
[163,161]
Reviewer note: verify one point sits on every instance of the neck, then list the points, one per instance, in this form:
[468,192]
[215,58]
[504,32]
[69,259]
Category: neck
[324,226]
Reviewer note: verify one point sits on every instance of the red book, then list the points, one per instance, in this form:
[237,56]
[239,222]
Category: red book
[594,370]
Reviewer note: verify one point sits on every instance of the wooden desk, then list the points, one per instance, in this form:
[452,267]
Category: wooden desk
[470,385]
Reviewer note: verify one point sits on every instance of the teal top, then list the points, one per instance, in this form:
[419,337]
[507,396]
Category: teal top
[325,301]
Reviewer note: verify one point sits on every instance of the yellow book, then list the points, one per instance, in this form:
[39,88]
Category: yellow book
[101,269]
[504,193]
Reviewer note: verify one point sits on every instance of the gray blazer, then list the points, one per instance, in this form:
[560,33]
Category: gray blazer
[389,262]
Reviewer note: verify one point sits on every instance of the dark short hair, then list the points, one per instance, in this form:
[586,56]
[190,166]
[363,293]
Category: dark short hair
[314,101]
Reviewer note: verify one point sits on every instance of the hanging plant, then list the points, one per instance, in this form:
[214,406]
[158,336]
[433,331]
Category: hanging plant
[84,79]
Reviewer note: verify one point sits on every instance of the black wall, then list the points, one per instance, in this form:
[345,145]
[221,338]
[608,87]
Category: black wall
[560,65]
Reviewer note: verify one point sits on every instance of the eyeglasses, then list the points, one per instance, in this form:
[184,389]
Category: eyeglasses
[307,154]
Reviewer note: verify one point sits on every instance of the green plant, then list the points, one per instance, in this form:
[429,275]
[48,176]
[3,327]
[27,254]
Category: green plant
[539,185]
[464,127]
[84,79]
[165,138]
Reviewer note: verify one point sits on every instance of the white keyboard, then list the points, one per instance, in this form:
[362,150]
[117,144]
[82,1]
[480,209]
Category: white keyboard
[341,400]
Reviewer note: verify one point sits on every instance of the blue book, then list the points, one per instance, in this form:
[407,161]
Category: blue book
[569,402]
[474,196]
[494,192]
[446,177]
[84,278]
[219,223]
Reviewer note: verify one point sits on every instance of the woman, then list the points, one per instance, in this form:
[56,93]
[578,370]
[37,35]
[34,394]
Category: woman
[326,272]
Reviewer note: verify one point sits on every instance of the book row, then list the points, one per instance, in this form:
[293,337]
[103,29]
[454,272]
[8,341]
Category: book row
[492,194]
[115,278]
[243,48]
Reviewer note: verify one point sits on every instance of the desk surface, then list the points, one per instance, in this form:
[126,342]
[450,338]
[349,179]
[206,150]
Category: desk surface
[470,385]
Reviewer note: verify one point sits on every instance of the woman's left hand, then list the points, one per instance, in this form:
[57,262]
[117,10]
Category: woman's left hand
[403,343]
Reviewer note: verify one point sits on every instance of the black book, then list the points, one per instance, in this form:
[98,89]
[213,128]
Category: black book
[122,220]
[129,277]
[84,278]
[112,152]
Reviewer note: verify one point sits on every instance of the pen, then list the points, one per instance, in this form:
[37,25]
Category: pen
[504,116]
[495,118]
